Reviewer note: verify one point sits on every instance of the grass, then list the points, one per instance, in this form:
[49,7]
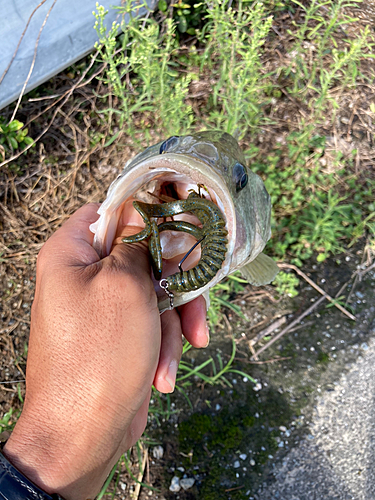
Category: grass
[316,212]
[292,80]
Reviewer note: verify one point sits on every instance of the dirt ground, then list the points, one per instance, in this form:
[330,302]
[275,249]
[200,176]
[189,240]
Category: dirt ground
[69,167]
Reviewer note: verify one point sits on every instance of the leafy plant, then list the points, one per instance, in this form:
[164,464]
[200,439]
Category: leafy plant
[187,14]
[141,75]
[12,136]
[234,39]
[7,422]
[286,283]
[316,62]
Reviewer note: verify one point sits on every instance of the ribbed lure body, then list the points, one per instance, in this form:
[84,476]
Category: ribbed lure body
[213,236]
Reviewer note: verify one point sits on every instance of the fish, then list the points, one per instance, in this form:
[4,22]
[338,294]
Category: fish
[211,236]
[213,162]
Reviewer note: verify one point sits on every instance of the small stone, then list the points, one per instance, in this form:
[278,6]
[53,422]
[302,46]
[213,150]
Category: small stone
[187,483]
[252,462]
[243,456]
[122,485]
[217,407]
[181,469]
[236,464]
[281,444]
[257,387]
[158,452]
[282,428]
[323,162]
[175,485]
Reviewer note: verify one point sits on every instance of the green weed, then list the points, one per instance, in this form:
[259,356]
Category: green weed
[310,217]
[316,60]
[12,137]
[286,283]
[8,421]
[320,228]
[141,74]
[234,39]
[213,371]
[217,367]
[220,296]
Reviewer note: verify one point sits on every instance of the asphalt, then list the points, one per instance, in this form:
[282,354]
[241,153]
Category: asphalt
[335,459]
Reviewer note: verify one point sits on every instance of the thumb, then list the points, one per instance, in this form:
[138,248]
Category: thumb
[134,256]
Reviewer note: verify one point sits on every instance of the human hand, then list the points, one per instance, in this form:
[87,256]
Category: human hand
[97,344]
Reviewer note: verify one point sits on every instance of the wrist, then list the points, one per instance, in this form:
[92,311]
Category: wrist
[14,485]
[54,461]
[30,455]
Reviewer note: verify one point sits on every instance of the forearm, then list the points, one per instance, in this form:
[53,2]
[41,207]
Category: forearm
[97,344]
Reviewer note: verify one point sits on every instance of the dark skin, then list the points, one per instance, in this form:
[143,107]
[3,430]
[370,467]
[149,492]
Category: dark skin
[97,344]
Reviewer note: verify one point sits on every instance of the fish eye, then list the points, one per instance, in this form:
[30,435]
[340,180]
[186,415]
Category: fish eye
[168,144]
[239,176]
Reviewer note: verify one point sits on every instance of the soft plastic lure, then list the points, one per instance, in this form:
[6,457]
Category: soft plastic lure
[212,236]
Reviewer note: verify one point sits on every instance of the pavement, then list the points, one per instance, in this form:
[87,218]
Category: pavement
[335,459]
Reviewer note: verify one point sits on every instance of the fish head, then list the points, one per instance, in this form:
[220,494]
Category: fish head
[213,161]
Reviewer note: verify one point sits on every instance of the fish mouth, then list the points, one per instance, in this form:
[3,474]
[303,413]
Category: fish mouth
[155,180]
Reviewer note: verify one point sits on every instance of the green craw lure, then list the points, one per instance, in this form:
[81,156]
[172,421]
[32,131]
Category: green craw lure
[212,237]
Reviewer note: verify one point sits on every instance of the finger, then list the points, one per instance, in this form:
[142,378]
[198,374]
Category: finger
[134,256]
[71,245]
[170,352]
[193,322]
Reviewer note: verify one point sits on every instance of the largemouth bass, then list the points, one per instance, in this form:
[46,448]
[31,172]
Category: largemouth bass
[172,169]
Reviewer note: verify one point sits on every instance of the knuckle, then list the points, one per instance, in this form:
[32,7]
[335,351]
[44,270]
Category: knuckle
[130,285]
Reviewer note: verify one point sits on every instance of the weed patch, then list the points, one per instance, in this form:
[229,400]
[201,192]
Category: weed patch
[151,77]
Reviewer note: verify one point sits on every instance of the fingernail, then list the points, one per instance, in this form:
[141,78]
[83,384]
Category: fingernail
[207,335]
[171,374]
